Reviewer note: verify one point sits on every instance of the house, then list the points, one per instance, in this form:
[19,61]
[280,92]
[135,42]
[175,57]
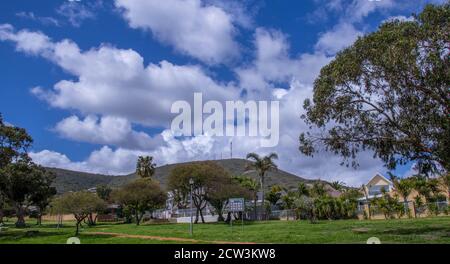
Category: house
[375,187]
[378,185]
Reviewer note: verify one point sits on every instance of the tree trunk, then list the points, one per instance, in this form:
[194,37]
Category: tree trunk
[196,216]
[92,221]
[228,218]
[39,219]
[138,220]
[1,216]
[78,227]
[201,216]
[220,212]
[20,216]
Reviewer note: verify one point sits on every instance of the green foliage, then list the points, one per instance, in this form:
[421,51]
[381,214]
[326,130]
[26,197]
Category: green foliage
[252,186]
[389,206]
[207,177]
[302,189]
[104,192]
[337,185]
[80,204]
[14,142]
[24,183]
[387,93]
[318,189]
[139,196]
[274,195]
[288,200]
[221,190]
[262,165]
[145,167]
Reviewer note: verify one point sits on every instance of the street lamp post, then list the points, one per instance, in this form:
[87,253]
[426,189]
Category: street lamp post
[191,183]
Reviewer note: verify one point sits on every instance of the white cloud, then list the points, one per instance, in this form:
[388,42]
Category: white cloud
[45,20]
[107,130]
[340,37]
[34,43]
[352,11]
[273,63]
[399,18]
[76,12]
[116,85]
[202,31]
[105,161]
[358,9]
[115,82]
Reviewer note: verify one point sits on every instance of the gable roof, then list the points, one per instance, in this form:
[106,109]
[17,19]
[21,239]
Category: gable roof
[379,175]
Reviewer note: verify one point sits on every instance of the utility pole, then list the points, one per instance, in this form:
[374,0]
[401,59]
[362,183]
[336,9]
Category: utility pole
[231,149]
[191,231]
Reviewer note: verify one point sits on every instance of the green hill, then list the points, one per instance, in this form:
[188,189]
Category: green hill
[67,180]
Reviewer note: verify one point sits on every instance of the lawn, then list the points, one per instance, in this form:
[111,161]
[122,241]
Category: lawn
[425,230]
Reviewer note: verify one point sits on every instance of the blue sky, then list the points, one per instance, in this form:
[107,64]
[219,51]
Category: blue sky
[92,80]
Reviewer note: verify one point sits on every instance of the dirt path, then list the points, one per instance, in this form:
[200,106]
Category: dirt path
[179,239]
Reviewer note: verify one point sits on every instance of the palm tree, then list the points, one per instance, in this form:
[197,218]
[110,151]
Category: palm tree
[403,187]
[262,165]
[302,189]
[337,185]
[318,189]
[145,167]
[251,185]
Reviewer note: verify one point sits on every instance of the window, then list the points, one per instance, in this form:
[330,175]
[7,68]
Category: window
[376,189]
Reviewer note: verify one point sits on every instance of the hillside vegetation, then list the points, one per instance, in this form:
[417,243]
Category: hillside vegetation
[67,180]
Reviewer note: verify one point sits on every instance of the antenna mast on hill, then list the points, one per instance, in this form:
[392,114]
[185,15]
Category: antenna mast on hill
[231,149]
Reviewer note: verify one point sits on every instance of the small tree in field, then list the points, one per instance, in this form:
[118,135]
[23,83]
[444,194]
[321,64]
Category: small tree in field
[221,190]
[80,204]
[24,183]
[43,191]
[139,196]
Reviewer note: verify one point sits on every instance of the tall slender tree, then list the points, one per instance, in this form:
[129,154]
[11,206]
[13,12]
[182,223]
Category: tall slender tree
[262,165]
[403,187]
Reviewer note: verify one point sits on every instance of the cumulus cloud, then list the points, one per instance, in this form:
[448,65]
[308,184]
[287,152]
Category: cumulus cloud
[340,37]
[113,89]
[273,63]
[104,161]
[115,82]
[108,130]
[202,31]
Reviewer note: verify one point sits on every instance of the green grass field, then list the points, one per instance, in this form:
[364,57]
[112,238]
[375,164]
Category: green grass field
[426,230]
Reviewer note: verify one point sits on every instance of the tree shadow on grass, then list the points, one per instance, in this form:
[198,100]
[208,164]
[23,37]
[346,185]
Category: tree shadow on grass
[19,234]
